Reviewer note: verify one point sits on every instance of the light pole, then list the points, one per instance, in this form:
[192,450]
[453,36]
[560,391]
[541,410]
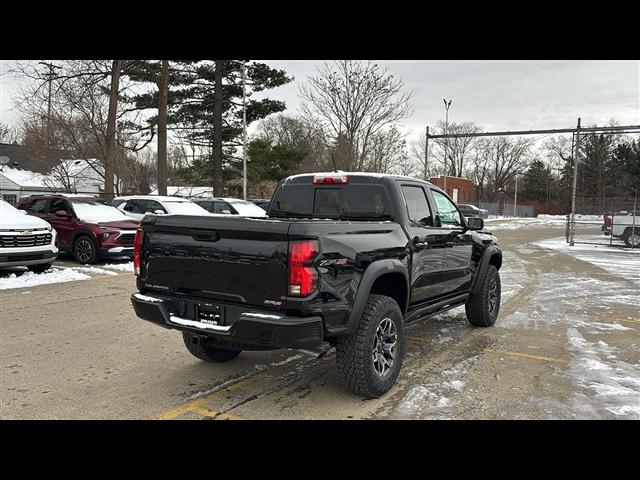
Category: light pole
[244,131]
[446,140]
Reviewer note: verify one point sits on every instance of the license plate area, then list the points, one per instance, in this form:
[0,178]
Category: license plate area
[210,313]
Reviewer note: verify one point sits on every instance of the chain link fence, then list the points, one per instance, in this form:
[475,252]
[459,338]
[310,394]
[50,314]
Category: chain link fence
[506,209]
[613,222]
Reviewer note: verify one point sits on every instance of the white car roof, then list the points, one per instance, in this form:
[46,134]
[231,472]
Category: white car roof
[157,198]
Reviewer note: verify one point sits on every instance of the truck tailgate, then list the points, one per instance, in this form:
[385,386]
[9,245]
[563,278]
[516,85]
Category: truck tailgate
[235,260]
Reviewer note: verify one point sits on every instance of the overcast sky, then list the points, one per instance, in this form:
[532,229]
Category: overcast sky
[498,95]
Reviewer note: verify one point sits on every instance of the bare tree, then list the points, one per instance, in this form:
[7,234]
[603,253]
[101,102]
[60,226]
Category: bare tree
[353,101]
[85,117]
[500,158]
[460,150]
[8,134]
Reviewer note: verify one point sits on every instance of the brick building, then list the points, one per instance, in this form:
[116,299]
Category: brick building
[461,190]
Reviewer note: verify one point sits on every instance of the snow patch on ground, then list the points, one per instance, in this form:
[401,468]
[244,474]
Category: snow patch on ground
[614,383]
[621,262]
[434,399]
[123,267]
[95,270]
[30,279]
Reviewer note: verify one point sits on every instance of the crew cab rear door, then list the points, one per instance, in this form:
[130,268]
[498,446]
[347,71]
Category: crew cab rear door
[427,245]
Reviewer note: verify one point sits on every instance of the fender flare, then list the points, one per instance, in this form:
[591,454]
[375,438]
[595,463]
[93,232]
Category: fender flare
[79,232]
[484,266]
[371,274]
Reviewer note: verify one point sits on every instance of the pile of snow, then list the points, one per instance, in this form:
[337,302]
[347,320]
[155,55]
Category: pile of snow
[615,383]
[123,267]
[30,279]
[620,262]
[596,219]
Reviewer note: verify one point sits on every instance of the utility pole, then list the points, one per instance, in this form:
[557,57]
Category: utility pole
[244,131]
[576,156]
[446,142]
[50,76]
[426,155]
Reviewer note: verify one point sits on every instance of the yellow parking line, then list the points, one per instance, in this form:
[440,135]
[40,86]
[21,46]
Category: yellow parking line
[198,402]
[205,412]
[630,321]
[527,355]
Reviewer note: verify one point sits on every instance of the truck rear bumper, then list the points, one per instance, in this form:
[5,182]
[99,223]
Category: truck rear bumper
[264,329]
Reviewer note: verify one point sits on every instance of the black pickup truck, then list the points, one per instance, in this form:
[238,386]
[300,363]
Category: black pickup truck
[344,258]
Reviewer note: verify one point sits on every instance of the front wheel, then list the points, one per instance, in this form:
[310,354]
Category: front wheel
[632,238]
[482,307]
[84,250]
[370,359]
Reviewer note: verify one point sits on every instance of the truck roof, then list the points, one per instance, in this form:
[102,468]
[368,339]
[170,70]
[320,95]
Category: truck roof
[355,174]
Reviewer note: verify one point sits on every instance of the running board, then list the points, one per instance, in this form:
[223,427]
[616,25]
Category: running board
[438,307]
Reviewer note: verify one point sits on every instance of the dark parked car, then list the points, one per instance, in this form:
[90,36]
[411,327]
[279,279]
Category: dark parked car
[261,202]
[343,258]
[472,211]
[230,206]
[87,227]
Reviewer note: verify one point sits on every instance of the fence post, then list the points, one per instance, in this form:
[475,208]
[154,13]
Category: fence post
[635,213]
[576,156]
[613,222]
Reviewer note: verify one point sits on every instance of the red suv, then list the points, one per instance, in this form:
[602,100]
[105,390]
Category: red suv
[87,227]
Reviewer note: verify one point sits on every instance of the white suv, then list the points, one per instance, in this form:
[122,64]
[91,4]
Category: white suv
[25,240]
[140,205]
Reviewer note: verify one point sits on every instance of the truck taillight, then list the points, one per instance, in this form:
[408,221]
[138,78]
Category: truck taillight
[137,252]
[302,276]
[330,179]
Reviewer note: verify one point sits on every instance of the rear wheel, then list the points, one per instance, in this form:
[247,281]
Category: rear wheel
[40,268]
[370,359]
[84,249]
[482,308]
[632,238]
[207,352]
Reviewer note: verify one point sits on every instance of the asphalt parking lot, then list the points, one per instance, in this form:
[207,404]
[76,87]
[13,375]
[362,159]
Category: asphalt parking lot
[566,345]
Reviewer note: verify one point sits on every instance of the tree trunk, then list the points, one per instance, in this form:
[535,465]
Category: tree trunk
[110,150]
[217,129]
[163,90]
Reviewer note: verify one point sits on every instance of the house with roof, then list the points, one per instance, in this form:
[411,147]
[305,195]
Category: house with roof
[17,183]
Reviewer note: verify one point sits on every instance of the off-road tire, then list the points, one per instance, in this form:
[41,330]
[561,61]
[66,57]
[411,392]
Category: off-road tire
[355,353]
[85,245]
[40,268]
[479,306]
[208,352]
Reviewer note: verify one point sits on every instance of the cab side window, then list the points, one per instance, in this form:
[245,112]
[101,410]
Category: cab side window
[57,205]
[221,207]
[37,207]
[152,206]
[134,206]
[447,211]
[417,205]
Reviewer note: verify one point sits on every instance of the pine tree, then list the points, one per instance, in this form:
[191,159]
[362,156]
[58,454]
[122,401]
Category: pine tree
[212,107]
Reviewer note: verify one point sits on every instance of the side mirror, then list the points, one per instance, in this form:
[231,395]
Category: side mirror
[24,212]
[62,213]
[158,212]
[475,223]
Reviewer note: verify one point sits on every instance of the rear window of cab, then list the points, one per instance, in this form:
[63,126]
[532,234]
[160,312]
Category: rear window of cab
[352,201]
